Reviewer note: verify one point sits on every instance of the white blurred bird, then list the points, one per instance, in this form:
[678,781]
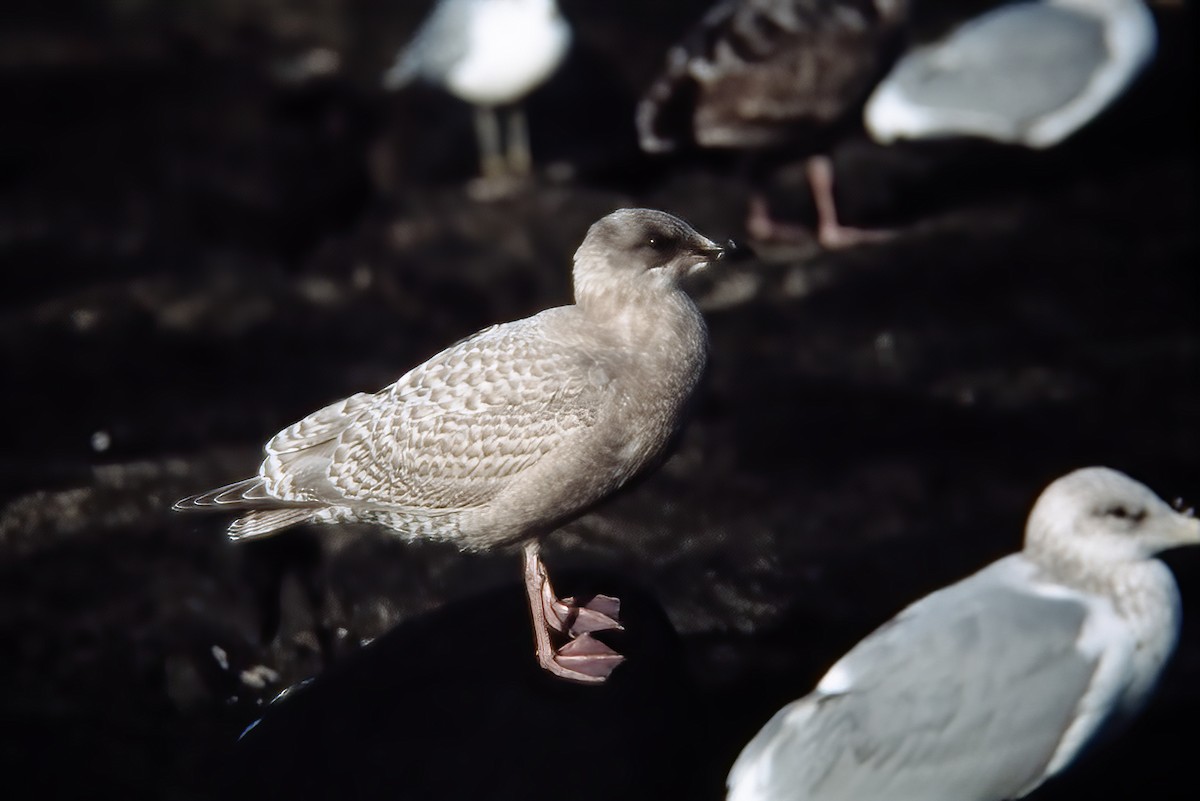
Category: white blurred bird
[490,53]
[983,690]
[1030,73]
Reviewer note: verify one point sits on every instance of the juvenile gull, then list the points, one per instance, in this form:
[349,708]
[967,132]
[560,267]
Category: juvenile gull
[984,689]
[509,434]
[758,74]
[1024,73]
[490,53]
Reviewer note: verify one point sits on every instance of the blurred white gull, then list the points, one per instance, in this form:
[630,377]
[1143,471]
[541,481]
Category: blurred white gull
[983,690]
[760,74]
[1028,73]
[490,53]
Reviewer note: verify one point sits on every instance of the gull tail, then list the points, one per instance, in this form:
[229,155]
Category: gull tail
[264,514]
[265,522]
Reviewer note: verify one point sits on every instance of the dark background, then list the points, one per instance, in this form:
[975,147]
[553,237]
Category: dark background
[199,245]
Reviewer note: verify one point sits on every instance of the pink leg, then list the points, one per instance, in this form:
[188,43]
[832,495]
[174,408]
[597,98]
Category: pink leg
[830,233]
[584,658]
[765,228]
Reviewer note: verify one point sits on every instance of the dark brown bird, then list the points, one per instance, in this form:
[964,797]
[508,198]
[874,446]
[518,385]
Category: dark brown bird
[759,74]
[509,434]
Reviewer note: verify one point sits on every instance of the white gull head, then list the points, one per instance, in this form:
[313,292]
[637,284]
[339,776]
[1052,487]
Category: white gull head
[1102,516]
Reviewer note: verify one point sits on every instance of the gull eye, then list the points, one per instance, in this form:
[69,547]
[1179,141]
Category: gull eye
[660,242]
[1124,513]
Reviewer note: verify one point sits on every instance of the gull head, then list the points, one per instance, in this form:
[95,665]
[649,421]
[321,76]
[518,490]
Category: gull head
[1101,514]
[632,247]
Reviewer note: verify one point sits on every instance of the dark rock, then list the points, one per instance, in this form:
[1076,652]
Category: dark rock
[452,705]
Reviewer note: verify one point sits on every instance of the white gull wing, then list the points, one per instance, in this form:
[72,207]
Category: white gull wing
[452,432]
[440,43]
[978,691]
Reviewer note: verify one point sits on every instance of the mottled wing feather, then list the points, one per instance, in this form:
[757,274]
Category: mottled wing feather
[321,426]
[450,433]
[966,694]
[297,457]
[756,71]
[786,62]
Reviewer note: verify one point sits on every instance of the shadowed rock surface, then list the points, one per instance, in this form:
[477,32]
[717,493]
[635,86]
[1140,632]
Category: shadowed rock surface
[201,247]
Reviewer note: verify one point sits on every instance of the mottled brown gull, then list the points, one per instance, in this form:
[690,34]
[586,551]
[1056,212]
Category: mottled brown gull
[761,74]
[983,690]
[507,435]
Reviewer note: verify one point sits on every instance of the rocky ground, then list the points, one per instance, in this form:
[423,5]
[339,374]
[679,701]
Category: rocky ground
[204,236]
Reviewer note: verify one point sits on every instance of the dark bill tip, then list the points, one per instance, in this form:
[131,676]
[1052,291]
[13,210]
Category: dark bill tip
[715,252]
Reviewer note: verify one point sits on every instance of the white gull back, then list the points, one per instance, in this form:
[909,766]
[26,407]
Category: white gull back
[982,690]
[1029,73]
[486,52]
